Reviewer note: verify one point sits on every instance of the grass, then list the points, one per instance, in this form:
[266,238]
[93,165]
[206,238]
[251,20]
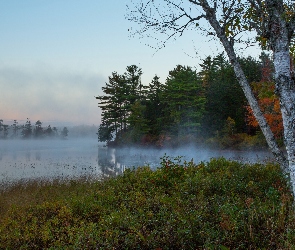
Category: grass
[216,205]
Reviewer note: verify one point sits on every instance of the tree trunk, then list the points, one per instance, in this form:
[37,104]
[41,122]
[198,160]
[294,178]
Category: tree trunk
[228,46]
[280,44]
[285,90]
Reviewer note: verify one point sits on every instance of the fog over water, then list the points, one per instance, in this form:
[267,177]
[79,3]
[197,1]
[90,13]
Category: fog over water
[26,159]
[75,157]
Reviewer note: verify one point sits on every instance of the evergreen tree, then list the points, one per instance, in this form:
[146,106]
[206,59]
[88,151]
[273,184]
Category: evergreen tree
[4,128]
[184,101]
[38,130]
[15,128]
[5,131]
[135,89]
[55,131]
[224,96]
[154,106]
[105,133]
[64,132]
[1,127]
[121,93]
[113,105]
[27,130]
[49,132]
[138,123]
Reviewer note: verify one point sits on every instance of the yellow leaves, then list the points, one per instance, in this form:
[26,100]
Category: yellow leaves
[239,27]
[230,28]
[233,27]
[292,50]
[228,31]
[289,12]
[239,10]
[262,41]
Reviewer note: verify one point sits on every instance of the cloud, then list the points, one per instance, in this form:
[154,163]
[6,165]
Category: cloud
[50,95]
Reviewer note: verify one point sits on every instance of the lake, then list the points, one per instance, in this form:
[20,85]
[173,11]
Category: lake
[73,158]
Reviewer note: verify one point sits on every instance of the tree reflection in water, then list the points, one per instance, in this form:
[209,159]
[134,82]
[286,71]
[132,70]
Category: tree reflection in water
[113,161]
[108,162]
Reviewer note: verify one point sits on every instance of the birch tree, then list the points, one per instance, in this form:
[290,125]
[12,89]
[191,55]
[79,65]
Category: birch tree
[231,22]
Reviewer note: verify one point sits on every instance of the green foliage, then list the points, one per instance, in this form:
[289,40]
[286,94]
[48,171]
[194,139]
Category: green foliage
[105,132]
[216,205]
[184,101]
[121,93]
[155,107]
[189,106]
[133,112]
[224,96]
[138,122]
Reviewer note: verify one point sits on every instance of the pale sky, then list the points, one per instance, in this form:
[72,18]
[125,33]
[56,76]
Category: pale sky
[55,55]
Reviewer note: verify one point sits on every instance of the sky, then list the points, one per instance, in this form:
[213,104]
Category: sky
[56,55]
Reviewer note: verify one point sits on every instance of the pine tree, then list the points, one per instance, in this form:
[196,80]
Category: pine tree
[121,93]
[184,101]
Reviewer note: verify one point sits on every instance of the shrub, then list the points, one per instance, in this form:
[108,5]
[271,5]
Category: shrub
[216,205]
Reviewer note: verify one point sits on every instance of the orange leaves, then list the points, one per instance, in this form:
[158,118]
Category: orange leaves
[268,102]
[250,118]
[269,105]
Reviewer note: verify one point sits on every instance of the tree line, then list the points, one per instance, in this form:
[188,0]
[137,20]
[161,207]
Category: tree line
[190,106]
[269,24]
[29,130]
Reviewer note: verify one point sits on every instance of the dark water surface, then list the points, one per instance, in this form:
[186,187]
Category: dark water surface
[72,158]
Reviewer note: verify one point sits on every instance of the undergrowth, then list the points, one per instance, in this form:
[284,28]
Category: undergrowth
[216,205]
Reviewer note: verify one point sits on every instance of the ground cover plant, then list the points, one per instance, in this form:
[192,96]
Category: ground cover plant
[216,205]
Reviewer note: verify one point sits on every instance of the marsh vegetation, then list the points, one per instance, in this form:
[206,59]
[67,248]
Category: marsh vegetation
[216,205]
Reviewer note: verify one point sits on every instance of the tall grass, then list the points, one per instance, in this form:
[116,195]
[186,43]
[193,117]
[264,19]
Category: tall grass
[216,205]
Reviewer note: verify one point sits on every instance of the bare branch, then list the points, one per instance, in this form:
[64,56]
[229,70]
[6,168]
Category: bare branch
[171,23]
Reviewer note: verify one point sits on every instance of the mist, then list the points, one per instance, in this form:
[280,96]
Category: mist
[55,96]
[85,156]
[48,159]
[153,156]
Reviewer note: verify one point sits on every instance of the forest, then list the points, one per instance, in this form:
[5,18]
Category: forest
[205,106]
[30,131]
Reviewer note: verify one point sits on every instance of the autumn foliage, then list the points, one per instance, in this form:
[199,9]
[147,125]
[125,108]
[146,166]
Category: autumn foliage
[268,102]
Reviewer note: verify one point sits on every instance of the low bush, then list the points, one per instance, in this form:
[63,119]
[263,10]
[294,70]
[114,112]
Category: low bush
[216,205]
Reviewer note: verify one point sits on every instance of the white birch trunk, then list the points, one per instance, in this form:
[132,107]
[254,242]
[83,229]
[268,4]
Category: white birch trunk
[228,46]
[275,28]
[286,92]
[285,88]
[279,39]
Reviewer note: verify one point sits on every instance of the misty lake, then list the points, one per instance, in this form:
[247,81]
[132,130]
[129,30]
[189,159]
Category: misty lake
[73,158]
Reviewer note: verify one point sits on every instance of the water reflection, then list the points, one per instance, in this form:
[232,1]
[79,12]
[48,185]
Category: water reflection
[109,162]
[115,161]
[48,159]
[80,157]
